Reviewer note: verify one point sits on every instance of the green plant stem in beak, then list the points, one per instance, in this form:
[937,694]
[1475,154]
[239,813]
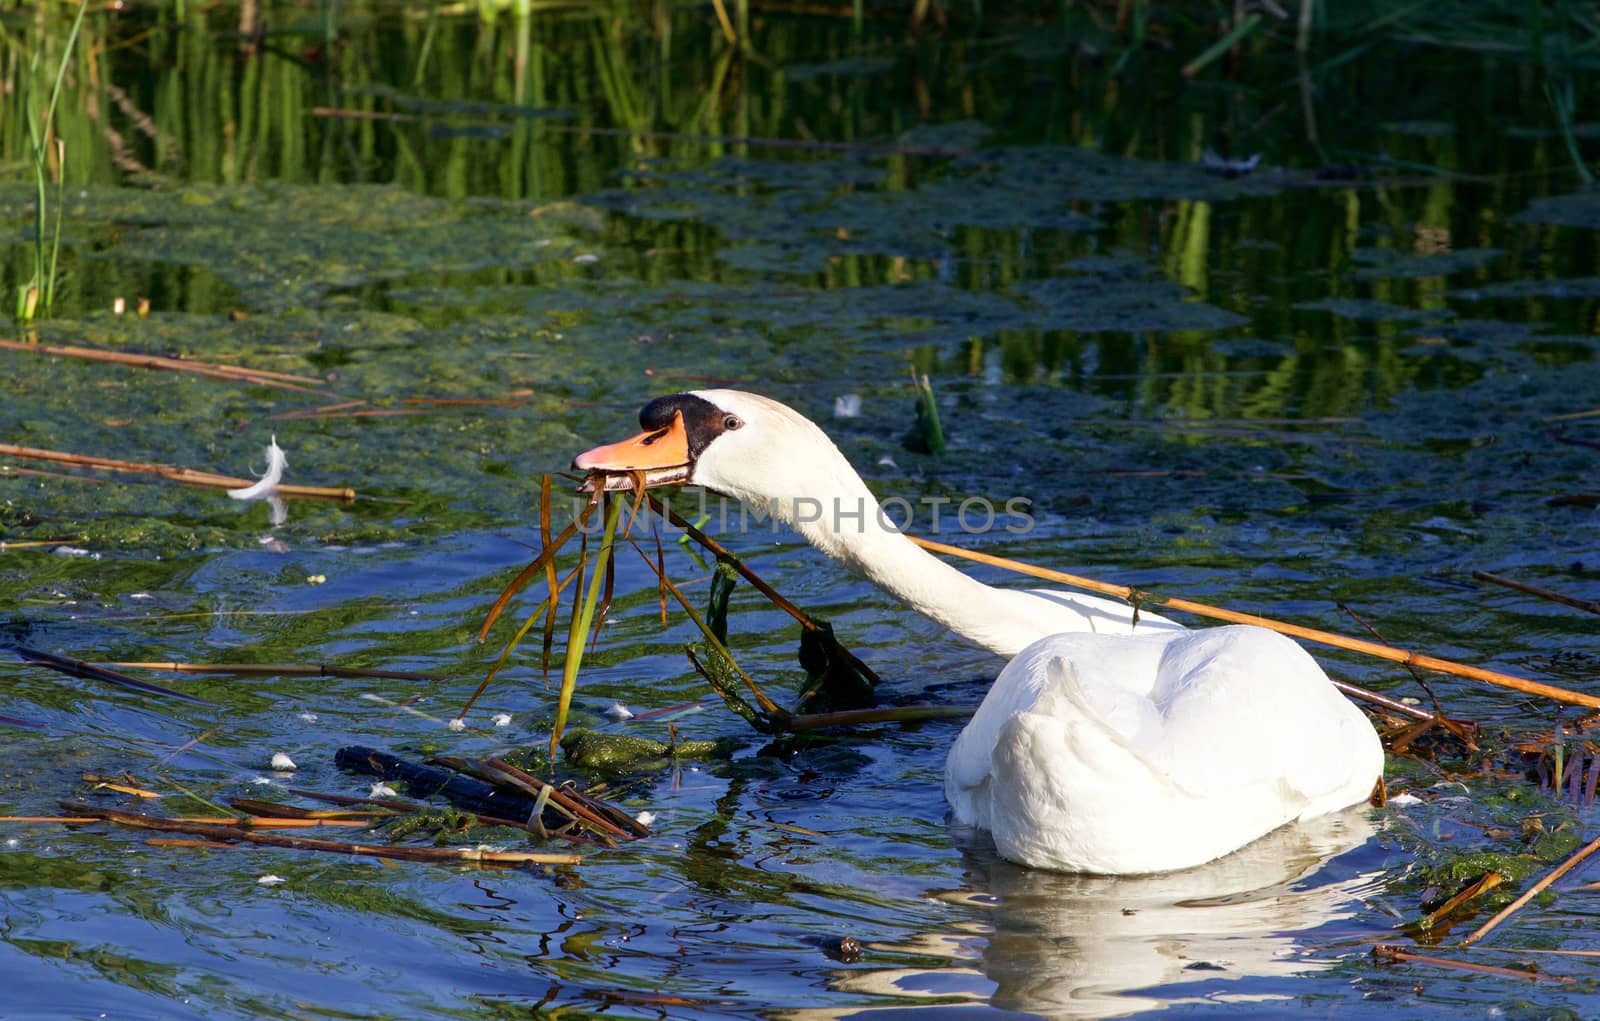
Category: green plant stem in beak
[582,623]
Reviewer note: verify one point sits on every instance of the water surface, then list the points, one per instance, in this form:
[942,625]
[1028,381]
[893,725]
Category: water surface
[1335,379]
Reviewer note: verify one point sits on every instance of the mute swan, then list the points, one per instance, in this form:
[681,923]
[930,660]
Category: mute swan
[1102,747]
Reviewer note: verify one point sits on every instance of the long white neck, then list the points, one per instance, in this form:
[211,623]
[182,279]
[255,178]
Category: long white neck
[1001,620]
[839,516]
[780,463]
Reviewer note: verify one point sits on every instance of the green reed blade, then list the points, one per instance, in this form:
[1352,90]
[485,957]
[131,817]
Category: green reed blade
[583,623]
[1221,46]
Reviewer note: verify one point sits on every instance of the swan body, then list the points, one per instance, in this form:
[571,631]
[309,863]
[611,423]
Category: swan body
[1134,754]
[1106,745]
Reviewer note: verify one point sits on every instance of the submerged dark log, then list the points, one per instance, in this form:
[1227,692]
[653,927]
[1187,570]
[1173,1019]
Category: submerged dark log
[536,805]
[430,781]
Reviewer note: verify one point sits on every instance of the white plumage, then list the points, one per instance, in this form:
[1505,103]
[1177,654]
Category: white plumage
[1118,755]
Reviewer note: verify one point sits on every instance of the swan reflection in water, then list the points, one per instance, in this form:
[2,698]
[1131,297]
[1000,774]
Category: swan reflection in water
[1069,946]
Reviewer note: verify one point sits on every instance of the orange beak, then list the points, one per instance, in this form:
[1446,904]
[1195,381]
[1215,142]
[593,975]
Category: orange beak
[661,454]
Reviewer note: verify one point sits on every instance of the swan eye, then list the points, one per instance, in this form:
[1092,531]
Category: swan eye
[731,422]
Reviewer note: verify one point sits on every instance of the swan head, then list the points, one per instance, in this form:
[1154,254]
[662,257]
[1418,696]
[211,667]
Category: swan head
[739,444]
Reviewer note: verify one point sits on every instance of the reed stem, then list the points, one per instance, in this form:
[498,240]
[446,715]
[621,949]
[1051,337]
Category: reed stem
[1338,641]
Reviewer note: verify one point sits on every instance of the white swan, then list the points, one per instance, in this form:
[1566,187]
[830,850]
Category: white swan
[1102,746]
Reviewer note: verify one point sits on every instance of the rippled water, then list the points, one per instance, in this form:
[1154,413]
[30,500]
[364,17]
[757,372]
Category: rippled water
[1334,380]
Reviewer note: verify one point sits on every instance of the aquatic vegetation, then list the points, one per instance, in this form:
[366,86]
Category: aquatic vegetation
[596,750]
[476,235]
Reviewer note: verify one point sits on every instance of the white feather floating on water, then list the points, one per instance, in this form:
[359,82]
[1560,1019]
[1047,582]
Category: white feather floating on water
[268,484]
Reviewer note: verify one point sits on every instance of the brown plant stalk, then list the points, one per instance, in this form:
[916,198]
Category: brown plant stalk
[1345,642]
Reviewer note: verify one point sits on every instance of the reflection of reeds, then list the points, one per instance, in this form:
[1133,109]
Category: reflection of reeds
[37,296]
[641,79]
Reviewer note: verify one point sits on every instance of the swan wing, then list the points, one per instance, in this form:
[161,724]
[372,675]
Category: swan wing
[1242,702]
[1073,789]
[1124,755]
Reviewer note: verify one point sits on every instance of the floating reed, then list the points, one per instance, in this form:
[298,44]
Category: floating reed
[415,406]
[79,668]
[596,813]
[1388,652]
[187,476]
[1588,605]
[280,670]
[1533,891]
[588,611]
[348,412]
[1389,953]
[1477,888]
[1384,701]
[276,810]
[214,831]
[233,373]
[755,580]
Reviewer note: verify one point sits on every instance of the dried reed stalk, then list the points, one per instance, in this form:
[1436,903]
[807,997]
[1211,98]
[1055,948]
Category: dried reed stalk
[1384,701]
[233,373]
[277,810]
[397,852]
[1345,642]
[592,811]
[1477,888]
[187,476]
[755,580]
[1588,605]
[1533,891]
[280,670]
[89,671]
[1388,952]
